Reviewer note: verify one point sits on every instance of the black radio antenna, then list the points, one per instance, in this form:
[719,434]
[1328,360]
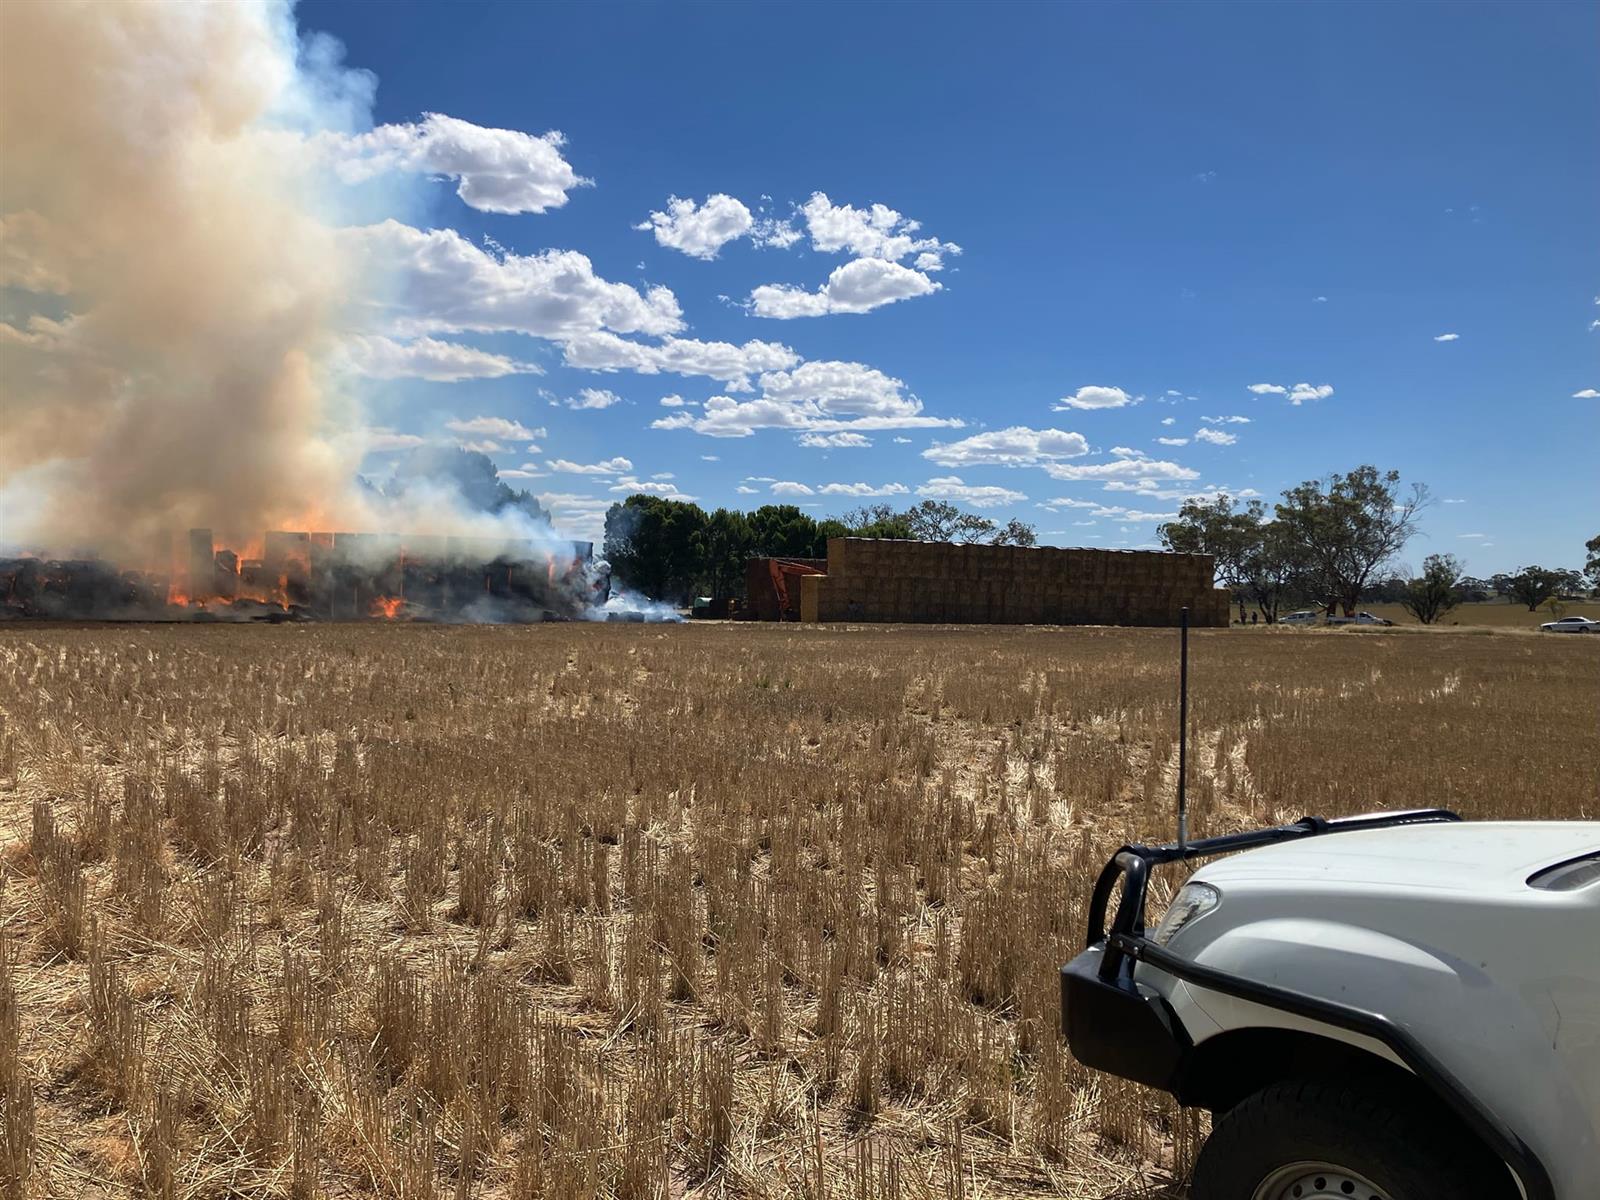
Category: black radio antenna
[1183,726]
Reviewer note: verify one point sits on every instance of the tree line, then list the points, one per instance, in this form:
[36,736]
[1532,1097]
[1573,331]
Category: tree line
[673,550]
[1334,543]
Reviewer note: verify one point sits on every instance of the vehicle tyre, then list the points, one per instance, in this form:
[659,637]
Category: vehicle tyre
[1307,1140]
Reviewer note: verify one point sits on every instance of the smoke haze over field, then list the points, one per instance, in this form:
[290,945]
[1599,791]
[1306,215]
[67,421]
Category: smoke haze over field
[175,287]
[180,381]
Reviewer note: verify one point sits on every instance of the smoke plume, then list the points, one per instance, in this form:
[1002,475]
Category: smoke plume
[183,288]
[174,284]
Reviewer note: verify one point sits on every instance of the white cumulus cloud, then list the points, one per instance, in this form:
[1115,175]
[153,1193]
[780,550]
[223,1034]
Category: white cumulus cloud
[877,236]
[442,282]
[815,397]
[611,466]
[503,428]
[1095,397]
[1586,394]
[1448,337]
[1172,441]
[1016,446]
[788,487]
[863,489]
[427,358]
[950,487]
[496,170]
[650,487]
[834,441]
[1301,392]
[592,398]
[1215,436]
[856,287]
[699,230]
[1116,511]
[1298,394]
[876,231]
[725,362]
[1131,468]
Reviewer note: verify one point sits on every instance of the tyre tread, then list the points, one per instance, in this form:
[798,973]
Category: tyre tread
[1347,1115]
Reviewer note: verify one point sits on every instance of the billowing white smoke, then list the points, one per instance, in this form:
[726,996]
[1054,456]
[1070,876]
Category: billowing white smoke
[185,281]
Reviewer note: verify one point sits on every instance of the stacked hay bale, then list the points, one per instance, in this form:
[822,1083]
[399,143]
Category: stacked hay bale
[881,580]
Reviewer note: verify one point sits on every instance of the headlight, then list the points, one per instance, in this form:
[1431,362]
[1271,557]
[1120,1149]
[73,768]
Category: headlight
[1192,901]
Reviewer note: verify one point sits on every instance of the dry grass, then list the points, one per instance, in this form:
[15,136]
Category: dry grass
[576,911]
[1491,614]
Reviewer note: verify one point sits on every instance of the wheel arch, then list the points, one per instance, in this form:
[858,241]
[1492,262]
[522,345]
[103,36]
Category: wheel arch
[1224,1070]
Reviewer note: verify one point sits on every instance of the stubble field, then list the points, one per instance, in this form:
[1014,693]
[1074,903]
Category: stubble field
[642,911]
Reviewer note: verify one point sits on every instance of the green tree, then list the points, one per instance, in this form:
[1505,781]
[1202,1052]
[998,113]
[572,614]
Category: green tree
[935,521]
[1350,526]
[783,531]
[1232,536]
[1014,533]
[1534,585]
[1437,590]
[941,521]
[725,543]
[1255,558]
[878,521]
[1591,562]
[657,546]
[1274,570]
[896,528]
[832,527]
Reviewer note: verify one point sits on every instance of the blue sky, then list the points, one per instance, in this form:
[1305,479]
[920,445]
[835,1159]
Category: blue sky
[1126,218]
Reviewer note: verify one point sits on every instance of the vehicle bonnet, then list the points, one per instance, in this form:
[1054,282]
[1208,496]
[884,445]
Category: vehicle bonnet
[1483,858]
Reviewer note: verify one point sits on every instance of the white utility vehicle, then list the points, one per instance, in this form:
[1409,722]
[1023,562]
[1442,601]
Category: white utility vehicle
[1397,1007]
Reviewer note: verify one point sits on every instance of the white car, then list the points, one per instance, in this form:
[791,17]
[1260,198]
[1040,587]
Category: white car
[1396,1007]
[1305,616]
[1571,625]
[1361,618]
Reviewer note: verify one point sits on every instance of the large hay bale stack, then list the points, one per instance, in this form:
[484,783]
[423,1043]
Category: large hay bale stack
[881,580]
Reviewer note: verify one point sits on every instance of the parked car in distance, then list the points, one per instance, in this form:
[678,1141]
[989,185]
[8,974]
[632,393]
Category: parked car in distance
[1361,618]
[1305,616]
[1571,625]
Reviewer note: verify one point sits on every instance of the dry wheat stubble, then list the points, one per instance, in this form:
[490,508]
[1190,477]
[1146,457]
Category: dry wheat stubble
[642,911]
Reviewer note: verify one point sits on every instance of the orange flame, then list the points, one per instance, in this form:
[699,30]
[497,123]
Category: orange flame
[387,607]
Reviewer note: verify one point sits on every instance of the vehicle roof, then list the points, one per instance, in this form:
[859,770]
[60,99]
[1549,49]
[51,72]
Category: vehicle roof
[1474,856]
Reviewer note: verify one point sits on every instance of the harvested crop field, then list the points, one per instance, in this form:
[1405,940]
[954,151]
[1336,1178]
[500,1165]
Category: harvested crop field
[644,911]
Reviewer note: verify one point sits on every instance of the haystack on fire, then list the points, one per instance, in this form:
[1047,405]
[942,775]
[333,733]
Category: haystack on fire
[298,575]
[181,289]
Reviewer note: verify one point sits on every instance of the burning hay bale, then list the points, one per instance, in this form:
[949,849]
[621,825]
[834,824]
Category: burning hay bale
[323,576]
